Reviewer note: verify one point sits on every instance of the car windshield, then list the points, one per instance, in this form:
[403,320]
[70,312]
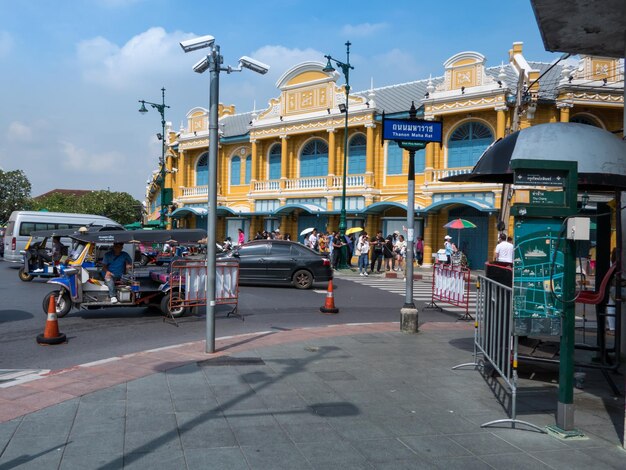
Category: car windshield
[76,250]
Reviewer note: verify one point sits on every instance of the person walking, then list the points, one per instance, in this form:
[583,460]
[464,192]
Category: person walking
[419,251]
[400,253]
[377,251]
[363,248]
[241,237]
[388,253]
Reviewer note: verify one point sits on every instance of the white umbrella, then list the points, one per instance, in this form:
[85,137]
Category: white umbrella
[307,231]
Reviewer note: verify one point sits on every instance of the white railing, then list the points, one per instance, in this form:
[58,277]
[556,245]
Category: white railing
[438,174]
[271,185]
[351,181]
[195,191]
[318,182]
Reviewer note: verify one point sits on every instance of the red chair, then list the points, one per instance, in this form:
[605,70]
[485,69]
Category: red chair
[595,298]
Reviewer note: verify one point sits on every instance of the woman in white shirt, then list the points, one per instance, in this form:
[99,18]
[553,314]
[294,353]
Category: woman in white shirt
[363,246]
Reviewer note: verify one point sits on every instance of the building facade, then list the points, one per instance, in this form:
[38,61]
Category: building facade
[282,167]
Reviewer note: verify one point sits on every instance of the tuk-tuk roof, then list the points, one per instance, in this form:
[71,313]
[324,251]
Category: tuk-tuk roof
[180,236]
[68,232]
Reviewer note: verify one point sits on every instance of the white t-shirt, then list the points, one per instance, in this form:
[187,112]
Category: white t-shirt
[504,252]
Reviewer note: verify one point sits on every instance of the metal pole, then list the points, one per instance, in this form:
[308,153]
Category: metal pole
[215,60]
[162,109]
[565,407]
[343,225]
[408,312]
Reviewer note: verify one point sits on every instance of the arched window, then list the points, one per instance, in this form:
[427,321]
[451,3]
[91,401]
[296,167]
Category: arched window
[202,170]
[582,119]
[394,158]
[356,155]
[235,171]
[467,143]
[314,159]
[274,161]
[248,169]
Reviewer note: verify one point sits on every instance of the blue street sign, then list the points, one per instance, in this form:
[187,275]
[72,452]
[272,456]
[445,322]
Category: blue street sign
[412,130]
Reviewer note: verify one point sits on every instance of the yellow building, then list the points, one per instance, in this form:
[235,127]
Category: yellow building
[281,167]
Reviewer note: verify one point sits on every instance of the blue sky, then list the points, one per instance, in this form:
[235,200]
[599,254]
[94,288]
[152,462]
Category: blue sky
[72,71]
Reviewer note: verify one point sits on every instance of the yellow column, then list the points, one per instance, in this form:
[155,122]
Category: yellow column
[369,149]
[429,162]
[332,153]
[429,241]
[181,176]
[284,157]
[254,176]
[500,122]
[564,113]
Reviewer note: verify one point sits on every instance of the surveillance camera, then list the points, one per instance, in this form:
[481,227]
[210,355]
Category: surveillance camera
[254,65]
[197,43]
[174,170]
[201,66]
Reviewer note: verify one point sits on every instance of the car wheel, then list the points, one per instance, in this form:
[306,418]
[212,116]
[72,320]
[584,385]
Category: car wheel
[144,260]
[24,276]
[64,305]
[177,310]
[302,279]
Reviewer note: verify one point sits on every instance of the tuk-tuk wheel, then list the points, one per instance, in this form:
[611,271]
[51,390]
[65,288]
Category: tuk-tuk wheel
[177,309]
[63,306]
[24,276]
[144,260]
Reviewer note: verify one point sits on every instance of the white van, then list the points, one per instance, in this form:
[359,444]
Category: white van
[22,223]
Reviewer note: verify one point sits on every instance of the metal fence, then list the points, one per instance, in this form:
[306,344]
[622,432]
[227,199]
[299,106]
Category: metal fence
[451,285]
[188,282]
[494,341]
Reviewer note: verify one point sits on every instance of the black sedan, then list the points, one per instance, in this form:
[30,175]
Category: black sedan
[280,262]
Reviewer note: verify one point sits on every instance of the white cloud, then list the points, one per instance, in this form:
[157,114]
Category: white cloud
[151,53]
[6,43]
[281,58]
[363,29]
[83,161]
[19,132]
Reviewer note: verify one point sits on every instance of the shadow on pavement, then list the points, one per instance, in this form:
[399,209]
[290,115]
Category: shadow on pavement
[14,315]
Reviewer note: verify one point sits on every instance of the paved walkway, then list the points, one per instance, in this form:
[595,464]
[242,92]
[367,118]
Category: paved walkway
[348,396]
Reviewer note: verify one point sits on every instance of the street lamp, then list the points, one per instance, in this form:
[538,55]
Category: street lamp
[345,69]
[213,63]
[161,109]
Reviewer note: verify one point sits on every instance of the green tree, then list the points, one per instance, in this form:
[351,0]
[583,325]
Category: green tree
[56,202]
[119,206]
[14,193]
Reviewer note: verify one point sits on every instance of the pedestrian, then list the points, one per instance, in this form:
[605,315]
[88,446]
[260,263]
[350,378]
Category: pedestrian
[419,251]
[313,240]
[348,240]
[377,251]
[287,237]
[400,253]
[362,251]
[241,237]
[450,249]
[322,243]
[503,255]
[335,251]
[388,253]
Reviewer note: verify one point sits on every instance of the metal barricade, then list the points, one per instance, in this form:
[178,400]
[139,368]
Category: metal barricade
[188,282]
[494,341]
[452,286]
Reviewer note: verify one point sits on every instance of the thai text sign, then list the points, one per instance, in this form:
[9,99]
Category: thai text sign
[412,130]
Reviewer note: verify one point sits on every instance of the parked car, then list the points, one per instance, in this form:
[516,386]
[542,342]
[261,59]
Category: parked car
[280,262]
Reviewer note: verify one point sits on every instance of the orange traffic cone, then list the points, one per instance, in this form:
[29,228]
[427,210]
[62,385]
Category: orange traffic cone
[329,306]
[51,333]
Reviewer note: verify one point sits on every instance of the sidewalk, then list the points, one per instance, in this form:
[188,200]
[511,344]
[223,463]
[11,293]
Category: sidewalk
[348,396]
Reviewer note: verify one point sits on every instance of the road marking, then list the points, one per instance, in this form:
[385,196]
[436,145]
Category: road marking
[11,377]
